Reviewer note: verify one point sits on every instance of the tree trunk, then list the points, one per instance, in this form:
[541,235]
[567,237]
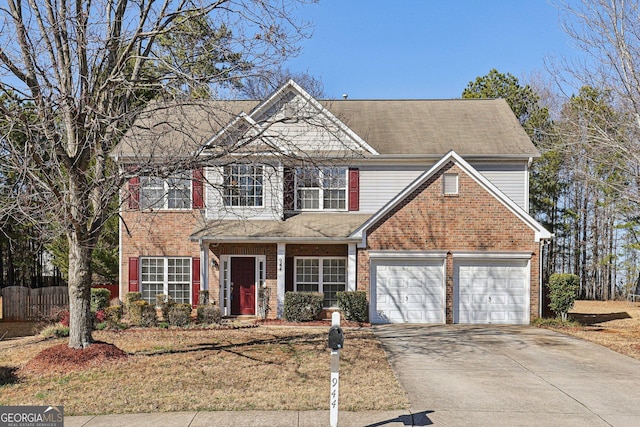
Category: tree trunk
[80,321]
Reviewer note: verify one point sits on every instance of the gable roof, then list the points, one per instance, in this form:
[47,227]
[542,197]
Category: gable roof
[263,120]
[427,128]
[452,156]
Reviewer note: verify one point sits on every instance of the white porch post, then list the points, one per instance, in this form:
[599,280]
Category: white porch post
[204,266]
[281,277]
[352,267]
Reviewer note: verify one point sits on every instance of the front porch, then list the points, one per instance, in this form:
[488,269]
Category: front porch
[251,279]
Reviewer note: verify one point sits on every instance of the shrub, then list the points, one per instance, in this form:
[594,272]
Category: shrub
[99,317]
[165,302]
[130,298]
[55,330]
[141,313]
[354,305]
[302,306]
[63,317]
[555,323]
[99,299]
[149,318]
[209,314]
[563,291]
[179,315]
[113,315]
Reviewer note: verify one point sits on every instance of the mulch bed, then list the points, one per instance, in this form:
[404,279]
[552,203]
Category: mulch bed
[62,358]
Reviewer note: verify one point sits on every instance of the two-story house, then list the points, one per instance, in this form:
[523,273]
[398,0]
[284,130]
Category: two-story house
[423,204]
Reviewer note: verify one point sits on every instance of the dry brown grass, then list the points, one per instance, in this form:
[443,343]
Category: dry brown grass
[263,368]
[613,324]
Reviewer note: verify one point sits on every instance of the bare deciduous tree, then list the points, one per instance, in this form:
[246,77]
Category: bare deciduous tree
[80,71]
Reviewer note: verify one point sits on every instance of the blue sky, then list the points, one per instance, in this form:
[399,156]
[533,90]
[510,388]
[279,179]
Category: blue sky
[378,49]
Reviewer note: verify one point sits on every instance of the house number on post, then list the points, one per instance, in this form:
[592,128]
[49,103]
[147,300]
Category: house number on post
[336,341]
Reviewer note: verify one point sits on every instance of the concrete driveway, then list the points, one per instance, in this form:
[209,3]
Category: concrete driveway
[459,375]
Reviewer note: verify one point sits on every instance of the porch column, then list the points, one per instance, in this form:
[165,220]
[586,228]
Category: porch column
[281,277]
[352,267]
[204,266]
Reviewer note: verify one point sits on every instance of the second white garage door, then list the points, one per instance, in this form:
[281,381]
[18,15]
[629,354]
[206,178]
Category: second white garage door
[408,292]
[492,292]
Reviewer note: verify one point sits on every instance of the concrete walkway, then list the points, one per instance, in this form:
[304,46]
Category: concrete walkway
[247,419]
[459,375]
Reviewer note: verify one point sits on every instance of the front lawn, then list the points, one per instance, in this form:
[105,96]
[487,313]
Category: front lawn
[612,324]
[260,368]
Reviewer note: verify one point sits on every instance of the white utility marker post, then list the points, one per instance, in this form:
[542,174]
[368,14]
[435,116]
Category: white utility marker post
[336,339]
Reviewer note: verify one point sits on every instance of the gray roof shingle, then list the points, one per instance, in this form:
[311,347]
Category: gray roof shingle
[302,227]
[470,127]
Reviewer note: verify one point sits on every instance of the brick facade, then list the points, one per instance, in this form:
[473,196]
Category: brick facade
[426,220]
[472,220]
[161,233]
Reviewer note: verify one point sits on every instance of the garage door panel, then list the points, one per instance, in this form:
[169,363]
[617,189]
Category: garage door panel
[498,316]
[409,292]
[492,291]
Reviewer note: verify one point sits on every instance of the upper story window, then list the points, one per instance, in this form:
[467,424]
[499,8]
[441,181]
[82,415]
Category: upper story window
[165,193]
[321,188]
[243,185]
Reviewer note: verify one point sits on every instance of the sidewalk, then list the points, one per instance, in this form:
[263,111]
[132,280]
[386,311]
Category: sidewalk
[250,419]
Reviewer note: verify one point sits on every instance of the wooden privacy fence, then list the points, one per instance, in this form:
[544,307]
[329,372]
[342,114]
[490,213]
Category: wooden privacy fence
[20,304]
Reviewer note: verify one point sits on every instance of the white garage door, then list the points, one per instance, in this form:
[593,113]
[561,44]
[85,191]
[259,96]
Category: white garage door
[408,292]
[493,292]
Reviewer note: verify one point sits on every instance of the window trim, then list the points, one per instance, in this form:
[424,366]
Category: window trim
[188,189]
[227,188]
[321,188]
[165,278]
[321,282]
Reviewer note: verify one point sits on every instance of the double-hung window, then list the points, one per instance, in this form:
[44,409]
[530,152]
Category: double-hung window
[321,188]
[167,276]
[165,193]
[326,275]
[243,185]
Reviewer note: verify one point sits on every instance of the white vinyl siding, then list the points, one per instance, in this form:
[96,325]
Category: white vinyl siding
[378,185]
[511,178]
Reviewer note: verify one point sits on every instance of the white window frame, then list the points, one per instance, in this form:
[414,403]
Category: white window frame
[322,186]
[165,281]
[242,195]
[321,282]
[166,188]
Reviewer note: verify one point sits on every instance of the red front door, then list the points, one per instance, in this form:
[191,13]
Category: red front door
[243,278]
